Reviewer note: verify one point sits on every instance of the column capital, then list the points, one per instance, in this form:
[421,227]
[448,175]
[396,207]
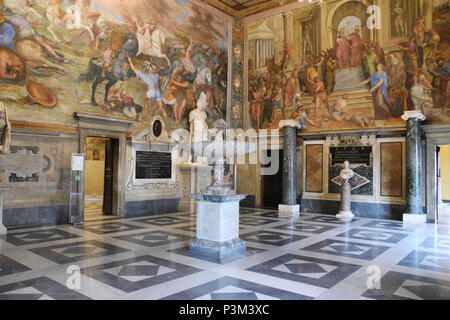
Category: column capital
[290,123]
[413,114]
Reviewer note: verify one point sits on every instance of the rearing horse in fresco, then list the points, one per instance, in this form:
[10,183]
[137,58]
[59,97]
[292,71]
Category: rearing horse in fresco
[121,70]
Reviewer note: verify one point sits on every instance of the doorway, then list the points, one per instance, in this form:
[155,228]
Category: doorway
[273,185]
[443,183]
[100,177]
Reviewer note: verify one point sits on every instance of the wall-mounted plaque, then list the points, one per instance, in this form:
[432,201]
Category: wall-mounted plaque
[153,165]
[361,155]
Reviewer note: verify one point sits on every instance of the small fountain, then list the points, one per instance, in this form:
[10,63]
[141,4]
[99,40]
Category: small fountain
[218,204]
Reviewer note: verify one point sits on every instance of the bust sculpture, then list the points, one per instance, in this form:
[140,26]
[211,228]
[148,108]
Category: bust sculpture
[345,213]
[347,173]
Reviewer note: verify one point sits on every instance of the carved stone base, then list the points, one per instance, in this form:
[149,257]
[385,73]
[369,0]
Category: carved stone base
[345,216]
[411,218]
[288,211]
[217,225]
[218,249]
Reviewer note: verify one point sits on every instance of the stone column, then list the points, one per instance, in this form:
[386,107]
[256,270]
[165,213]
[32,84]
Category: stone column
[289,202]
[414,168]
[3,188]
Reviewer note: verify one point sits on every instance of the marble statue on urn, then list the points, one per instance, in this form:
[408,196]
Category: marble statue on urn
[345,213]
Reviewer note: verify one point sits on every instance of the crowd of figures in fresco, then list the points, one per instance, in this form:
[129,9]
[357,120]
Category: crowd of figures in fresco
[412,76]
[124,65]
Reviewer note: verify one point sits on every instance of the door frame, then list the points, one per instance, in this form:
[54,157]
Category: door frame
[435,135]
[91,125]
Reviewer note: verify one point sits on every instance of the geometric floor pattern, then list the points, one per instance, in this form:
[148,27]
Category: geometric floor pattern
[308,257]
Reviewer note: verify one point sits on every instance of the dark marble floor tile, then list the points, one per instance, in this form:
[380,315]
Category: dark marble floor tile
[228,288]
[184,251]
[8,266]
[427,260]
[305,227]
[271,238]
[254,221]
[373,235]
[109,227]
[154,238]
[440,243]
[37,236]
[164,221]
[191,228]
[138,273]
[347,249]
[76,251]
[273,214]
[392,225]
[41,288]
[248,210]
[327,219]
[403,286]
[313,271]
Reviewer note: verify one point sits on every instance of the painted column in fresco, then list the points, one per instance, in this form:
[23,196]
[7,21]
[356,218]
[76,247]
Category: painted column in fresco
[413,162]
[237,73]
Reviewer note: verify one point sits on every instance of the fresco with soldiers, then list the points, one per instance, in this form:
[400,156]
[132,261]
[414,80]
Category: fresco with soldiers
[132,59]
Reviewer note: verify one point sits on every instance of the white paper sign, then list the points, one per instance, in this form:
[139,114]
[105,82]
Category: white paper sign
[77,162]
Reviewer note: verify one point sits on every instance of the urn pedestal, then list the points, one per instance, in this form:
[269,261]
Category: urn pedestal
[218,226]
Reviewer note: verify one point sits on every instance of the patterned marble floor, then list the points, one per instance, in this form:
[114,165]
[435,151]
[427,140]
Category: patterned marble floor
[311,257]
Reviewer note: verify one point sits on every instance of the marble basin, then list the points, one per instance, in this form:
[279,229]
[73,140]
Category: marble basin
[218,151]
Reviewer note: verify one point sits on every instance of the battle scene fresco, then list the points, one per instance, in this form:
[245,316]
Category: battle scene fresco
[133,59]
[349,64]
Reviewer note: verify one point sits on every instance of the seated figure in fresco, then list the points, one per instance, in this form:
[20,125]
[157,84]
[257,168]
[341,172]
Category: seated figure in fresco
[300,114]
[379,90]
[421,94]
[339,111]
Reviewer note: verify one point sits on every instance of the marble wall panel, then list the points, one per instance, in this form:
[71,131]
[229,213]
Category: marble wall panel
[391,169]
[314,168]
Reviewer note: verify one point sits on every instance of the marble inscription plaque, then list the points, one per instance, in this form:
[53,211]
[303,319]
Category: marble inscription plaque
[314,168]
[354,155]
[391,169]
[153,165]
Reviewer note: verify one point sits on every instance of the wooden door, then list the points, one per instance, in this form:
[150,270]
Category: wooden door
[109,177]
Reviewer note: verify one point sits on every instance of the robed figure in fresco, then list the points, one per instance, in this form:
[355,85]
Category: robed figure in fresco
[379,90]
[342,50]
[357,46]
